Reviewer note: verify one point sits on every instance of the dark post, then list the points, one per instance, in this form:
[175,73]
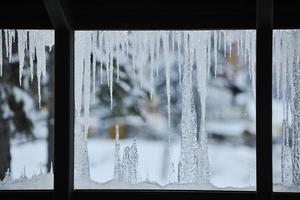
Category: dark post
[264,24]
[64,95]
[63,152]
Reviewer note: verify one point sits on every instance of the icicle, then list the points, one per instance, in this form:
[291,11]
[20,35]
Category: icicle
[41,169]
[173,174]
[286,156]
[133,162]
[134,56]
[51,168]
[111,71]
[40,40]
[118,57]
[219,40]
[253,63]
[86,94]
[94,36]
[247,53]
[79,53]
[152,51]
[157,51]
[179,172]
[22,37]
[117,167]
[126,165]
[1,55]
[237,37]
[165,40]
[276,60]
[7,176]
[230,46]
[201,78]
[245,40]
[142,53]
[225,43]
[32,41]
[106,47]
[202,155]
[99,54]
[188,119]
[83,74]
[10,34]
[215,53]
[173,40]
[40,51]
[101,72]
[179,62]
[208,55]
[23,175]
[6,42]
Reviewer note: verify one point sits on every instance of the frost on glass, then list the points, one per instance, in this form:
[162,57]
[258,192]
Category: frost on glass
[121,77]
[286,110]
[26,116]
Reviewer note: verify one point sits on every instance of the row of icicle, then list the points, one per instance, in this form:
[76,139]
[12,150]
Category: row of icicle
[32,42]
[141,45]
[146,49]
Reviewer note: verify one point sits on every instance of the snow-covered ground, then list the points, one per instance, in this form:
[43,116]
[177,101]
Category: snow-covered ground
[231,166]
[32,156]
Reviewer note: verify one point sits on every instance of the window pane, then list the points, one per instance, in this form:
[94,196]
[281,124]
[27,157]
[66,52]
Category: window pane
[165,110]
[26,109]
[286,98]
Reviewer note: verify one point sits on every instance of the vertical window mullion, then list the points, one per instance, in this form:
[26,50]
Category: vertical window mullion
[64,113]
[264,23]
[64,94]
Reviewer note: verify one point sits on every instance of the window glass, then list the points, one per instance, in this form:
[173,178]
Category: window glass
[26,109]
[286,98]
[165,110]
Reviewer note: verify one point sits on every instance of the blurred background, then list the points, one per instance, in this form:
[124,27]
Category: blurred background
[230,122]
[26,131]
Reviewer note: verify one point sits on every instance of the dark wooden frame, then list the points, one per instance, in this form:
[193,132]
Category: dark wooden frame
[66,16]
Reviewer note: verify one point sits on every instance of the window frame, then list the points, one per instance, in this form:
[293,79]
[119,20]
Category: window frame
[65,23]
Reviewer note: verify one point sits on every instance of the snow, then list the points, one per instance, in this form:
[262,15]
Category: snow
[37,182]
[35,176]
[237,174]
[232,176]
[89,184]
